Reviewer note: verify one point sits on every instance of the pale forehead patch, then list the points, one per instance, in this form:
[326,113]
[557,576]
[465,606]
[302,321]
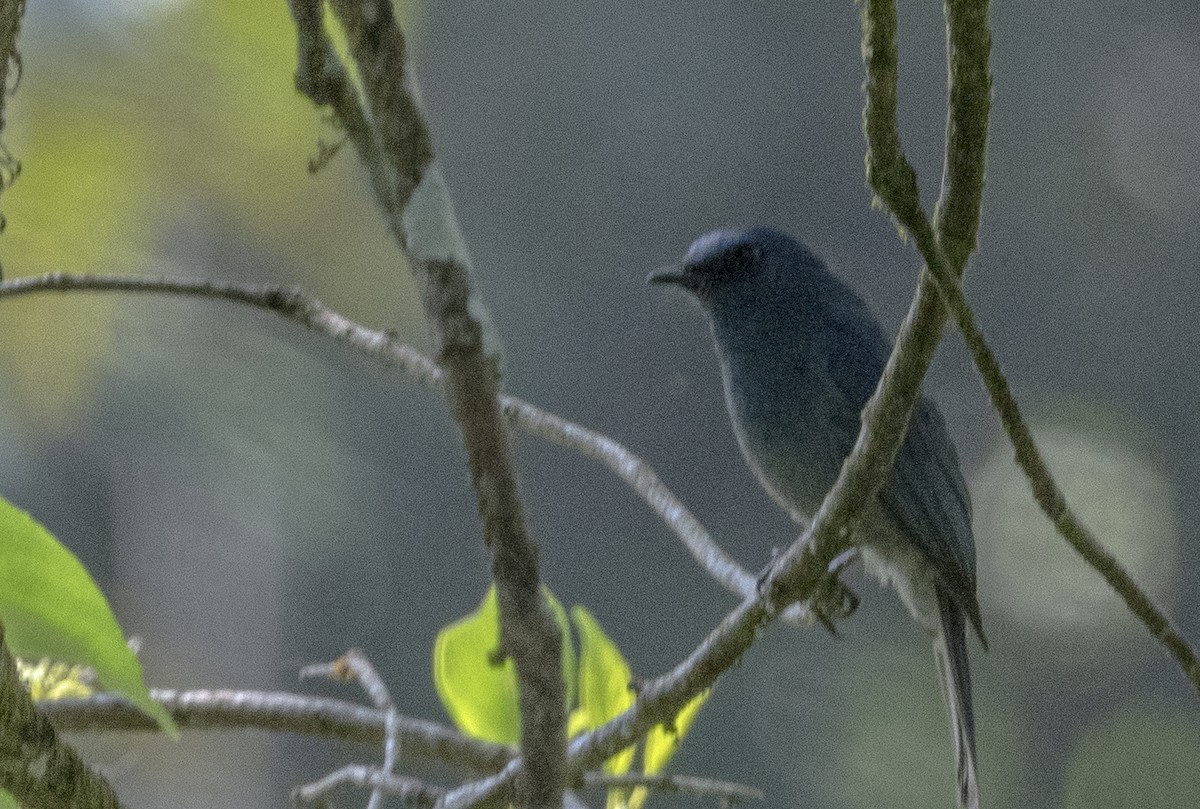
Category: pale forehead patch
[711,244]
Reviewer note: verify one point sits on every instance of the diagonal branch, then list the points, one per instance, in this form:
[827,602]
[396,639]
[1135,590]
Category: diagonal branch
[388,129]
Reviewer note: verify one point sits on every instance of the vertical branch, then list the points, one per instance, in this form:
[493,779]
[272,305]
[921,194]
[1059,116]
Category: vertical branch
[393,141]
[885,417]
[957,221]
[11,12]
[38,768]
[968,51]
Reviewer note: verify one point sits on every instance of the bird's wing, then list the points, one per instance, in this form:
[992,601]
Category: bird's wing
[925,495]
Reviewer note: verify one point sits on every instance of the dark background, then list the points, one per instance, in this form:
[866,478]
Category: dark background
[253,498]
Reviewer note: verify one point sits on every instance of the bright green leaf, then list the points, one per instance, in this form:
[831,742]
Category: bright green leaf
[662,742]
[51,608]
[479,693]
[604,676]
[7,801]
[604,691]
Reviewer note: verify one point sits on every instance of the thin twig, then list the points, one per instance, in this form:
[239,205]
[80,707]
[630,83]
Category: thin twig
[725,791]
[280,712]
[311,313]
[354,665]
[409,790]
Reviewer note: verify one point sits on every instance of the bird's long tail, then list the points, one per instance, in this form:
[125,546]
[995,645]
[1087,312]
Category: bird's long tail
[950,649]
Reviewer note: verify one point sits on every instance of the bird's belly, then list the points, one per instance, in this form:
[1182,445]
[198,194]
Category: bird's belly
[798,462]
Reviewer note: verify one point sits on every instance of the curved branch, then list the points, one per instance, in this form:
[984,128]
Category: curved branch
[311,313]
[1050,497]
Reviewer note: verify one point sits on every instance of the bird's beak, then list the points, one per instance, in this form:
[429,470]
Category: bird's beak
[670,274]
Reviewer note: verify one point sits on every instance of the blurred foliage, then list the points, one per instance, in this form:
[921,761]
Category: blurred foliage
[1119,491]
[50,680]
[189,121]
[1143,756]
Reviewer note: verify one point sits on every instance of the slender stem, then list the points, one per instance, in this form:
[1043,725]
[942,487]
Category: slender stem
[725,791]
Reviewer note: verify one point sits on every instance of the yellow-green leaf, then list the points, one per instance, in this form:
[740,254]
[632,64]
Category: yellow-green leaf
[569,663]
[477,689]
[663,741]
[661,744]
[604,690]
[51,608]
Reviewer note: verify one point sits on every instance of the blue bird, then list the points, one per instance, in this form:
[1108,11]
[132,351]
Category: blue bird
[800,355]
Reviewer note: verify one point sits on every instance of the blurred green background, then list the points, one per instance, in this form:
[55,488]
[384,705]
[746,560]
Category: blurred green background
[254,499]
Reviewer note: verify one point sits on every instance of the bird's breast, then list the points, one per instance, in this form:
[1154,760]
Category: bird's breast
[790,426]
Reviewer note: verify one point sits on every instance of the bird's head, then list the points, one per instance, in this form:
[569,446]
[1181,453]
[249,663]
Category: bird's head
[742,267]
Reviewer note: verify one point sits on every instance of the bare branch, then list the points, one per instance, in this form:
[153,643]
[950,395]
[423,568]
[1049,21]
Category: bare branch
[11,13]
[946,254]
[354,665]
[725,791]
[279,712]
[409,790]
[311,313]
[389,131]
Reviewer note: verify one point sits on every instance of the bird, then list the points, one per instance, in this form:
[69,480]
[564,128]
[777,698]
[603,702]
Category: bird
[800,354]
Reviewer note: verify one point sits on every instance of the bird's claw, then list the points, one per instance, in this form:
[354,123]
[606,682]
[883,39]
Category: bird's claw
[832,601]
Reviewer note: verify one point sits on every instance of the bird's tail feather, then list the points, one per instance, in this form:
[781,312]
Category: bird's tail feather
[951,651]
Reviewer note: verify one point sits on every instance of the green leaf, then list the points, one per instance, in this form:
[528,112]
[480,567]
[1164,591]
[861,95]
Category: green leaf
[569,664]
[7,801]
[604,676]
[51,608]
[604,690]
[478,692]
[663,741]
